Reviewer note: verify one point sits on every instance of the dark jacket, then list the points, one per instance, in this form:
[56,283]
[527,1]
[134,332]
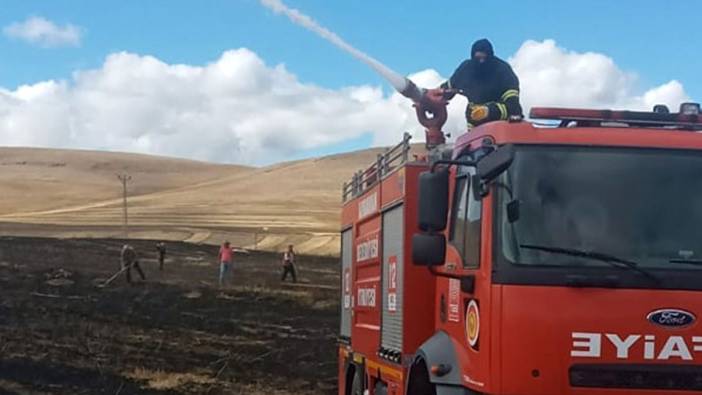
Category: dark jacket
[492,83]
[128,256]
[161,251]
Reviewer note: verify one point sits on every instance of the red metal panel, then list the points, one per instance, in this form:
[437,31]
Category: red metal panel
[391,375]
[418,281]
[365,331]
[349,213]
[393,187]
[539,325]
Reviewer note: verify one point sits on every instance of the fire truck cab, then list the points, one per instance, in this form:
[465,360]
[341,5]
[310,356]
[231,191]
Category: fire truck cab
[557,258]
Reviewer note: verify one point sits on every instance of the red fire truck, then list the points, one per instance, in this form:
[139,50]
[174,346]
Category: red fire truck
[556,258]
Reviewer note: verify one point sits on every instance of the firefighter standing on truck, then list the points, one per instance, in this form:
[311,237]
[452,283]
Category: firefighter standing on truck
[489,83]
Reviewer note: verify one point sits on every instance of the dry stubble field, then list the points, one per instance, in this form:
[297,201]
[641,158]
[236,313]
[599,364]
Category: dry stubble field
[175,333]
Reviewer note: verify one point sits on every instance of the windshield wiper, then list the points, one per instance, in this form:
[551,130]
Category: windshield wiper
[686,261]
[594,255]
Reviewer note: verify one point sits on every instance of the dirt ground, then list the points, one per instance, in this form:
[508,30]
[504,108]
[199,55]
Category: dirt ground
[175,333]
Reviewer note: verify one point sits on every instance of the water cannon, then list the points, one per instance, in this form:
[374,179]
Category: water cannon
[431,114]
[410,90]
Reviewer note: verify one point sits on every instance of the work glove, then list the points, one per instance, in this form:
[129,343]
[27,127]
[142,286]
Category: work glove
[478,113]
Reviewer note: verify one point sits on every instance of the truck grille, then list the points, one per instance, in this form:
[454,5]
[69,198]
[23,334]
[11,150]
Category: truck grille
[640,376]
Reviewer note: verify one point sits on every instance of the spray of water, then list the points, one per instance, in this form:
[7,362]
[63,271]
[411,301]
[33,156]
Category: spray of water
[400,83]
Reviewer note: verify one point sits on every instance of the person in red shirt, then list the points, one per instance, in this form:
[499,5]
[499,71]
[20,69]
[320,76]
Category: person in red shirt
[225,261]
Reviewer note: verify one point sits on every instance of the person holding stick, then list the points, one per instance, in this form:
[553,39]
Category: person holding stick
[129,260]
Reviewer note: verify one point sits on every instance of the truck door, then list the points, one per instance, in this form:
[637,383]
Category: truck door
[464,292]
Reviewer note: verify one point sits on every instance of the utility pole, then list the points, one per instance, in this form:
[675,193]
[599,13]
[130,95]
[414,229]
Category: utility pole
[124,178]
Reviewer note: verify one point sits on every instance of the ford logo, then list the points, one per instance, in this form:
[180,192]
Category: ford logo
[671,318]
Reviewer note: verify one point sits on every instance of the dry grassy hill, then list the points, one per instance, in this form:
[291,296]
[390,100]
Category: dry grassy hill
[64,193]
[35,179]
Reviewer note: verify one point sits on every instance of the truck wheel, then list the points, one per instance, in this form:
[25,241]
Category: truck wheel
[419,383]
[357,383]
[381,389]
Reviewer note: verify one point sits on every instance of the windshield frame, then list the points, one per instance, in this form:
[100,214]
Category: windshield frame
[677,277]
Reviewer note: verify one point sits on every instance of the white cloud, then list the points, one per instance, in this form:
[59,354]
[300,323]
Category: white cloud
[43,32]
[554,76]
[238,109]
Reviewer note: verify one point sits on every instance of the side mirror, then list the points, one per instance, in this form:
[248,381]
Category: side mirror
[490,167]
[433,200]
[495,163]
[428,249]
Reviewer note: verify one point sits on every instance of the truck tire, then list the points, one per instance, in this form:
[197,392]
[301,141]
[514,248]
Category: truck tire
[419,383]
[357,383]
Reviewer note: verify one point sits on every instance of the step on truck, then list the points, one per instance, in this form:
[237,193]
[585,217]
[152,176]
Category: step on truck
[563,257]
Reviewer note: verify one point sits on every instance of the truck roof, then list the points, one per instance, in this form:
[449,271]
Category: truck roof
[605,132]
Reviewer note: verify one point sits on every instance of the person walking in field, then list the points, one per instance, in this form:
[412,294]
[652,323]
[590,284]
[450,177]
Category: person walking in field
[130,260]
[161,248]
[289,264]
[225,259]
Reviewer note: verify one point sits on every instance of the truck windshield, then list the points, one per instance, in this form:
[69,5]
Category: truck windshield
[638,205]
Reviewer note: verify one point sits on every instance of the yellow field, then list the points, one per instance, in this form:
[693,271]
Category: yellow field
[68,193]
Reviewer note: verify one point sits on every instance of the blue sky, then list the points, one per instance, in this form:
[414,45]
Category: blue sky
[656,40]
[408,35]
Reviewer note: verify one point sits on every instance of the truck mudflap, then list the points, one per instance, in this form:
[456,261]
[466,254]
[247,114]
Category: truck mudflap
[439,351]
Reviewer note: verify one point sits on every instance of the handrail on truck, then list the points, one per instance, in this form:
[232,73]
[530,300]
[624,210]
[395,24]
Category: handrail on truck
[385,162]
